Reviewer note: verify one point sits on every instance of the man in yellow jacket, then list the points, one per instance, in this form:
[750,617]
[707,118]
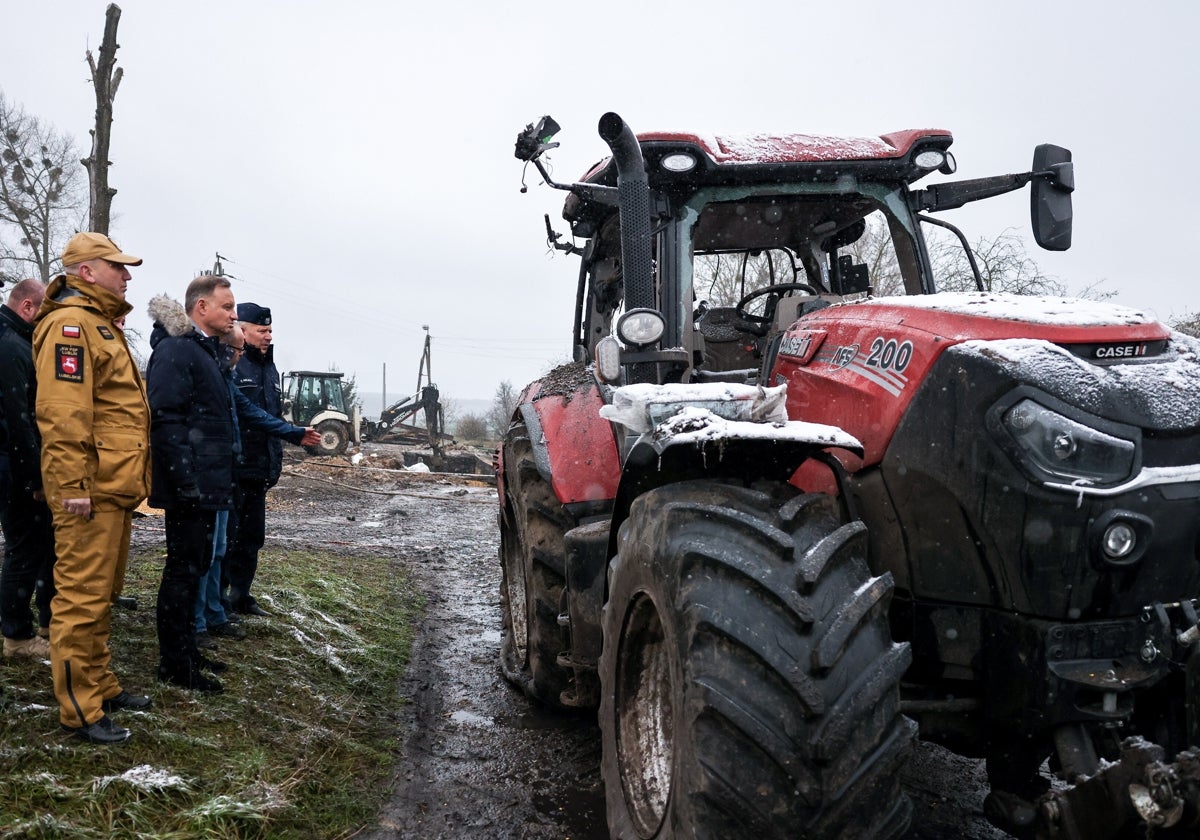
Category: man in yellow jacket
[94,420]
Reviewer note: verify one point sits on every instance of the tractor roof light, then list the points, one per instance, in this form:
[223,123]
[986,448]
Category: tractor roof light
[641,327]
[930,158]
[939,159]
[678,162]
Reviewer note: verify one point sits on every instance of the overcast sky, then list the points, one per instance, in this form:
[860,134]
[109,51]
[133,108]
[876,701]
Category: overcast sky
[353,161]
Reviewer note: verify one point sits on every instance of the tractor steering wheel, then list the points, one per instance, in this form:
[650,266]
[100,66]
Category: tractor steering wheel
[775,292]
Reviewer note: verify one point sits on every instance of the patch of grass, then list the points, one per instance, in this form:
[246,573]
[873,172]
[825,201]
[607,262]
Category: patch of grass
[300,745]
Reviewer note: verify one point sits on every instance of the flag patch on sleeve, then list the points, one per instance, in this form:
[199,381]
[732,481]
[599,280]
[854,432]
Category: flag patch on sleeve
[69,362]
[70,331]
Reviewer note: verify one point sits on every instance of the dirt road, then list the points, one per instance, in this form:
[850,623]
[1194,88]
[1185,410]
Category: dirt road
[477,759]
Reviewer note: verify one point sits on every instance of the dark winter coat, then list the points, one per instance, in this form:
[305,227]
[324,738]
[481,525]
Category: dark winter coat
[191,415]
[18,401]
[258,379]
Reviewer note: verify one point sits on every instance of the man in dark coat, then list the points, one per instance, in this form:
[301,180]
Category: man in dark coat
[261,463]
[28,569]
[191,445]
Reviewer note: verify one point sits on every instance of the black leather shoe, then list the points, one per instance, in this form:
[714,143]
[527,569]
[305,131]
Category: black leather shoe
[126,702]
[212,665]
[250,608]
[203,640]
[101,732]
[125,602]
[228,630]
[191,679]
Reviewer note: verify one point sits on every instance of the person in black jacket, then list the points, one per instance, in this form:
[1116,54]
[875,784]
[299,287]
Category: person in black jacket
[28,569]
[191,447]
[261,463]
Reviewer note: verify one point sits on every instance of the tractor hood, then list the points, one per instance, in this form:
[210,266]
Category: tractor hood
[861,364]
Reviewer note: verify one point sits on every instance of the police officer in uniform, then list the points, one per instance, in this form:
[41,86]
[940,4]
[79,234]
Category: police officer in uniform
[94,420]
[261,462]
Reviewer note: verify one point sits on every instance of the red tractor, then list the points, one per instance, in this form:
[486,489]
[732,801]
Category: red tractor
[773,539]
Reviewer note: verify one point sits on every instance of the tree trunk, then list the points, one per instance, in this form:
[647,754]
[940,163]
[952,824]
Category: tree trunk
[106,77]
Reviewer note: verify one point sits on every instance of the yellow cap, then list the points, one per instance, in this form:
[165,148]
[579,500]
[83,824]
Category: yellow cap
[95,246]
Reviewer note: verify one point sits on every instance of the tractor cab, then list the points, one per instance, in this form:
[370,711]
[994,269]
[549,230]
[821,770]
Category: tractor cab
[744,233]
[315,398]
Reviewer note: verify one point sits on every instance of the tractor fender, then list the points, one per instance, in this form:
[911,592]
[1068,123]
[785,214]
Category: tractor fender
[574,448]
[322,416]
[697,444]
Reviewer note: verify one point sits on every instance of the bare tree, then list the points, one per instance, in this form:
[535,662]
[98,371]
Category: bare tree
[503,405]
[349,390]
[724,279]
[1004,265]
[41,194]
[450,410]
[472,427]
[875,250]
[1189,324]
[106,78]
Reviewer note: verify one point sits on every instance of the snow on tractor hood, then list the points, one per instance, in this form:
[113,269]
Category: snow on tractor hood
[1030,309]
[702,412]
[1164,391]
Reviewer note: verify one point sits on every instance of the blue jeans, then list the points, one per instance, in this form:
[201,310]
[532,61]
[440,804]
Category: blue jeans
[209,611]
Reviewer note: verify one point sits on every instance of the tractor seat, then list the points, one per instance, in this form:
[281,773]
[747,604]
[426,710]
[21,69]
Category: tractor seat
[728,344]
[721,323]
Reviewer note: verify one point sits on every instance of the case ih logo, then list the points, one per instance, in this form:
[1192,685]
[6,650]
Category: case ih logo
[843,356]
[1120,351]
[793,345]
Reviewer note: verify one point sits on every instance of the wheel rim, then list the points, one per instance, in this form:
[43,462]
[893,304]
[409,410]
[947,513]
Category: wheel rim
[514,586]
[644,717]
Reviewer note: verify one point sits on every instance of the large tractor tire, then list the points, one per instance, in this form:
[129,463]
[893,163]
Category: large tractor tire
[750,686]
[532,525]
[334,438]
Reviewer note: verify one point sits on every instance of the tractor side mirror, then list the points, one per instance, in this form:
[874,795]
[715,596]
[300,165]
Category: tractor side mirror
[1050,196]
[536,138]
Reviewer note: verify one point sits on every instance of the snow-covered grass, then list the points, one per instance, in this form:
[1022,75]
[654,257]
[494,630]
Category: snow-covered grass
[300,745]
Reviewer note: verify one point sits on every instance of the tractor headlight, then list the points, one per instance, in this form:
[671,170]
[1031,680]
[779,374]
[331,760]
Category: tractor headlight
[1062,450]
[1118,540]
[640,327]
[608,359]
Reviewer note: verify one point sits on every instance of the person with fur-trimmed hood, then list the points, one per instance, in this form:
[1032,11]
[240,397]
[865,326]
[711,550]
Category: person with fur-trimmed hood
[191,447]
[193,438]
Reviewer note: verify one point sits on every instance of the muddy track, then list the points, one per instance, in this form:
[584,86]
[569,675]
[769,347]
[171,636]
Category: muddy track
[477,759]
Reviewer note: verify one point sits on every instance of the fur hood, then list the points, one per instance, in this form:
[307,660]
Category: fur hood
[170,315]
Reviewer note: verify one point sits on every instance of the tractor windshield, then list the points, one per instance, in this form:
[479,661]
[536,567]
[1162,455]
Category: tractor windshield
[834,243]
[751,260]
[311,394]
